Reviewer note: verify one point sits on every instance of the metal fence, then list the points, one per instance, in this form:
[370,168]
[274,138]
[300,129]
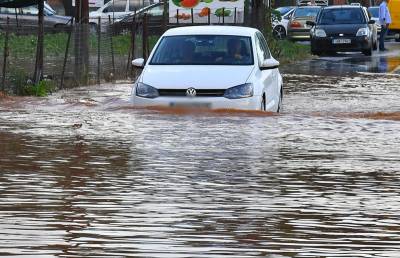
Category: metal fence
[76,54]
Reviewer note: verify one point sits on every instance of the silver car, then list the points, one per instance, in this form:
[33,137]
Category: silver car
[27,17]
[297,26]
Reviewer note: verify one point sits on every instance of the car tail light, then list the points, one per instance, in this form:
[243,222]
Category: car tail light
[295,24]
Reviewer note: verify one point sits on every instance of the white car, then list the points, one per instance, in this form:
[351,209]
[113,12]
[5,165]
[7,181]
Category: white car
[217,67]
[279,28]
[116,9]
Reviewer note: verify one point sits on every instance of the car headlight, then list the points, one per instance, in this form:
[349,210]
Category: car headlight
[146,91]
[320,33]
[240,91]
[363,32]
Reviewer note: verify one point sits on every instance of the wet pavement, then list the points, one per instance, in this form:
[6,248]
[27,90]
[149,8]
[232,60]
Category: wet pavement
[347,64]
[83,174]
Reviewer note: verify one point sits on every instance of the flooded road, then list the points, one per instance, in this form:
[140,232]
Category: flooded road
[83,174]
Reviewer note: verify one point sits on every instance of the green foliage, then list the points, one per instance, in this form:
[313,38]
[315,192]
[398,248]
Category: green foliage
[292,51]
[18,78]
[42,89]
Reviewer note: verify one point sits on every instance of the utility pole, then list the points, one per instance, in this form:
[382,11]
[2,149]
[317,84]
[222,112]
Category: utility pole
[82,40]
[39,47]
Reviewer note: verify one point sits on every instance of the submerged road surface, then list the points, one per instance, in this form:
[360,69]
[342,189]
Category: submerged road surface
[83,174]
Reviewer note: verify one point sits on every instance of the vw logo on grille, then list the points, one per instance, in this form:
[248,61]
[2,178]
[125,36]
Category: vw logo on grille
[191,92]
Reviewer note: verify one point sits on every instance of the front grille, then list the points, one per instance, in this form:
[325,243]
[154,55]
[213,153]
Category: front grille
[199,93]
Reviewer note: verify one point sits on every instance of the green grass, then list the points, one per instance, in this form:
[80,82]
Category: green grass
[292,51]
[55,44]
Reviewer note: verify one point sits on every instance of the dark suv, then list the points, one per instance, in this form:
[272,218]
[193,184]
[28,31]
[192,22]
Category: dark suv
[343,28]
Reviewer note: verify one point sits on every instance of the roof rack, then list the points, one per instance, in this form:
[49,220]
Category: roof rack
[312,2]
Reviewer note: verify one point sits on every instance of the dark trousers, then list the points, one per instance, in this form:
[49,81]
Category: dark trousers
[384,31]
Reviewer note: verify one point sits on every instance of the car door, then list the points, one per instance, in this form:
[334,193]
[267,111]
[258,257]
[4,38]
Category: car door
[268,77]
[29,16]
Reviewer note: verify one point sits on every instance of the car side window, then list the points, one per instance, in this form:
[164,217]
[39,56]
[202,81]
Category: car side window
[263,47]
[7,10]
[156,11]
[116,6]
[30,10]
[135,5]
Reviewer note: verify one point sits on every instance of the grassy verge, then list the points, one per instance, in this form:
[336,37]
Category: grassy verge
[55,44]
[288,52]
[292,52]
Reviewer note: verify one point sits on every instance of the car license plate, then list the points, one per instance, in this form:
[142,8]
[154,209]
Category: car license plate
[190,105]
[341,41]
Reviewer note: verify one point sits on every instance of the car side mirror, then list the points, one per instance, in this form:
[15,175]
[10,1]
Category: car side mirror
[138,62]
[286,17]
[371,22]
[310,23]
[270,63]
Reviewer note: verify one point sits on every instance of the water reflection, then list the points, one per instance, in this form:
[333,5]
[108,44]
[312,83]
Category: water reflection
[320,180]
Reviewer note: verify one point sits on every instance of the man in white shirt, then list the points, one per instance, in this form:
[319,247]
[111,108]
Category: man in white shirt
[384,20]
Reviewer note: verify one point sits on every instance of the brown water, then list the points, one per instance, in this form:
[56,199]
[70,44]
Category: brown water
[83,174]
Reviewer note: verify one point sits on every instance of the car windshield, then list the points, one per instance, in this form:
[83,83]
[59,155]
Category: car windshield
[203,50]
[284,10]
[374,11]
[306,12]
[342,16]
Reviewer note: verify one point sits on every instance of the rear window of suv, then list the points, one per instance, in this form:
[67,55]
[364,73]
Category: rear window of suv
[342,16]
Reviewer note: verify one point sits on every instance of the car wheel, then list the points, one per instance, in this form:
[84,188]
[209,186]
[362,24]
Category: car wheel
[279,32]
[368,52]
[397,39]
[279,109]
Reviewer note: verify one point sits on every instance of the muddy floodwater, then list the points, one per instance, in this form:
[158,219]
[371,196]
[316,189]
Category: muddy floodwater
[83,174]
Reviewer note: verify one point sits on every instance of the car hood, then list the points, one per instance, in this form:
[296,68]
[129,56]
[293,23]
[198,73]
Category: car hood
[346,29]
[196,76]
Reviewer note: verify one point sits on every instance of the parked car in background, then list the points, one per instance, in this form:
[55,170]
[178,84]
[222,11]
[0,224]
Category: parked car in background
[154,14]
[28,17]
[213,67]
[374,12]
[343,29]
[297,26]
[285,9]
[116,9]
[373,26]
[279,26]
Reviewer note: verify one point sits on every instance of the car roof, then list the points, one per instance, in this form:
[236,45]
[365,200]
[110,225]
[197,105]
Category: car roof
[343,6]
[308,6]
[211,30]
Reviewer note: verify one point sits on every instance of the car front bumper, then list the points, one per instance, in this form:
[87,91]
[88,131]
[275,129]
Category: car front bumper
[326,44]
[251,103]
